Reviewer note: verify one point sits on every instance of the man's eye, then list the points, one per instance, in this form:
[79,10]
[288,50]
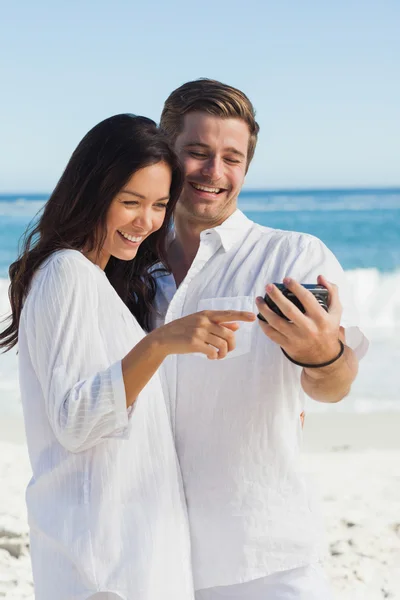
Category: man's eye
[233,161]
[198,154]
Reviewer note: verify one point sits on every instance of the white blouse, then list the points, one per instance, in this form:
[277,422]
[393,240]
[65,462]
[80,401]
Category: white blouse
[105,504]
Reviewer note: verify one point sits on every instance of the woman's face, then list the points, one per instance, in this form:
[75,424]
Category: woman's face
[136,212]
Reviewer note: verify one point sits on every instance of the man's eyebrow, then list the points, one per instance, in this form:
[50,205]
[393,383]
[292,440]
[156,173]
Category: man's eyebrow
[191,144]
[206,146]
[132,193]
[234,151]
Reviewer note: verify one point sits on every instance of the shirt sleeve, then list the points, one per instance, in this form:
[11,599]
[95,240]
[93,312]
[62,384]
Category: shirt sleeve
[84,395]
[316,259]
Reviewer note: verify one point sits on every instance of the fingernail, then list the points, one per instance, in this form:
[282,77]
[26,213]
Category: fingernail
[287,281]
[269,287]
[259,299]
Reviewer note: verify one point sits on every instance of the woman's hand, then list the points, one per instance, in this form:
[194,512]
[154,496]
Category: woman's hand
[211,332]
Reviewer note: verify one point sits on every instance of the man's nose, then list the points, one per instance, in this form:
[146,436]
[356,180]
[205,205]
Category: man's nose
[213,168]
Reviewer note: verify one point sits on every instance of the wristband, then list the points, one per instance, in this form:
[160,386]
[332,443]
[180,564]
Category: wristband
[320,365]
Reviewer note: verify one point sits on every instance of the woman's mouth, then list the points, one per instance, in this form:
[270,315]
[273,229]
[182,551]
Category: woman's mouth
[132,240]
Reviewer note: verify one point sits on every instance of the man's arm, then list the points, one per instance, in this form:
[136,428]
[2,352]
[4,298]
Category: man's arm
[312,339]
[332,383]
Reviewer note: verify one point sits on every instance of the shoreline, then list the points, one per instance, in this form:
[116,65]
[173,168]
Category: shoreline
[333,431]
[328,431]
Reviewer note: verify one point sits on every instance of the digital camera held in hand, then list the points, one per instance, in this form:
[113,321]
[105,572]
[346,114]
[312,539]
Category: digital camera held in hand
[319,292]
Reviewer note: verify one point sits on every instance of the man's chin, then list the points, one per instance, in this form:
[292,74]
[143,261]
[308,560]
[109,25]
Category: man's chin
[202,212]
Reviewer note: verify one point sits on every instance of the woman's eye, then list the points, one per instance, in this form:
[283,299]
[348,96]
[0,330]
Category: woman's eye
[161,205]
[129,203]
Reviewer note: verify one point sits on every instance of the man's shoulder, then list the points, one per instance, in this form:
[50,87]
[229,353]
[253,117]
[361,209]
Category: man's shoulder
[291,240]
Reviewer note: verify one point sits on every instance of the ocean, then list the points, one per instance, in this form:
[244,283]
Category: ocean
[361,227]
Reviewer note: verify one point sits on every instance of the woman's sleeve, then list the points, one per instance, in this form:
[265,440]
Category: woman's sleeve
[84,395]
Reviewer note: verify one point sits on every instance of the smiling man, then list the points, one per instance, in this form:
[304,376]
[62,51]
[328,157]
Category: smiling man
[236,421]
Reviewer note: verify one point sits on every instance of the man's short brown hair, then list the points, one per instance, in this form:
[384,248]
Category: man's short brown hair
[214,98]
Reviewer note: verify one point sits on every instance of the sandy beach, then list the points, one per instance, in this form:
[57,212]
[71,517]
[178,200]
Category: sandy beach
[354,462]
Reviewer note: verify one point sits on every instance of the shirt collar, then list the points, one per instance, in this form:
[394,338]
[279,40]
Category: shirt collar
[231,230]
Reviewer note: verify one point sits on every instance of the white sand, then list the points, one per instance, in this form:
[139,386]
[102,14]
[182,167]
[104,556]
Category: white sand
[15,568]
[355,462]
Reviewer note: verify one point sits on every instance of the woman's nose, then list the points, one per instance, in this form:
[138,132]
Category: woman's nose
[143,220]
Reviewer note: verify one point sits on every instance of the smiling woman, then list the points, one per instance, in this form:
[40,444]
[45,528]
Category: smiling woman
[105,503]
[136,212]
[117,155]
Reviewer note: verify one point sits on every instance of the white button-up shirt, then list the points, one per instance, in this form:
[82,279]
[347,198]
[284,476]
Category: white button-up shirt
[236,421]
[105,504]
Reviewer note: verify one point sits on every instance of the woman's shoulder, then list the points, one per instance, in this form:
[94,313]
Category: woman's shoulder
[70,260]
[67,269]
[67,256]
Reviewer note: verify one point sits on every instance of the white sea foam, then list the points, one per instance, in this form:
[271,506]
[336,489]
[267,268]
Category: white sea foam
[9,392]
[377,387]
[377,296]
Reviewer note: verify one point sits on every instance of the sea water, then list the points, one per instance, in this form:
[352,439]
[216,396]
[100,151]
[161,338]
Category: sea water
[361,227]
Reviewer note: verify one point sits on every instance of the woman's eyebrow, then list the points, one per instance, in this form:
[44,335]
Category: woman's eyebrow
[136,195]
[132,193]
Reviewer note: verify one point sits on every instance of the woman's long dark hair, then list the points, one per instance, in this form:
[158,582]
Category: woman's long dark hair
[76,212]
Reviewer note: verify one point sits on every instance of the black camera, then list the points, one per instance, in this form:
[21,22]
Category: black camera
[319,292]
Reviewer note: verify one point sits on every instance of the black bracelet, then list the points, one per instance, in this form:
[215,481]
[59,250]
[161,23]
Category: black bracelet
[313,366]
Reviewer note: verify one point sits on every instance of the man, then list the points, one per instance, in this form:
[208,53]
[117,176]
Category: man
[236,421]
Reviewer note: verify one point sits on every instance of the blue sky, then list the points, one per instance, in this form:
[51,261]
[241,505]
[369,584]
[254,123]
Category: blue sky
[324,78]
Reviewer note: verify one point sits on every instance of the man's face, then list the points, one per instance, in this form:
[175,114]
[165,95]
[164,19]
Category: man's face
[213,152]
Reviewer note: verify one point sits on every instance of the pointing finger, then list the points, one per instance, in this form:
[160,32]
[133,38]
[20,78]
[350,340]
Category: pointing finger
[233,326]
[225,316]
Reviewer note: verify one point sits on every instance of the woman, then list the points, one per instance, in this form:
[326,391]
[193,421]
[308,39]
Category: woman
[105,503]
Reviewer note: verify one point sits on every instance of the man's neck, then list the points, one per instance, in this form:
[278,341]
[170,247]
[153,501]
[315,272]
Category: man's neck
[184,247]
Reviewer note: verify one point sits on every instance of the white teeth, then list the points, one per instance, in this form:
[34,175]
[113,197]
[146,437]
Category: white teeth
[131,238]
[203,188]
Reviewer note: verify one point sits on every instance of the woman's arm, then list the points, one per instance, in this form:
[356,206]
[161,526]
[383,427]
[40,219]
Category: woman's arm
[208,332]
[84,395]
[86,398]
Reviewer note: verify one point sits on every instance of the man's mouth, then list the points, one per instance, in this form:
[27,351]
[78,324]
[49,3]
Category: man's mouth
[206,188]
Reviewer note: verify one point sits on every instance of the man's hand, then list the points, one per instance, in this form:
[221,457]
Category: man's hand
[312,337]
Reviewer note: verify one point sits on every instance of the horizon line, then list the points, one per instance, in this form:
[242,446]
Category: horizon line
[275,190]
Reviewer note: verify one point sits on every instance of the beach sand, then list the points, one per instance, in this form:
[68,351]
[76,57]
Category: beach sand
[354,461]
